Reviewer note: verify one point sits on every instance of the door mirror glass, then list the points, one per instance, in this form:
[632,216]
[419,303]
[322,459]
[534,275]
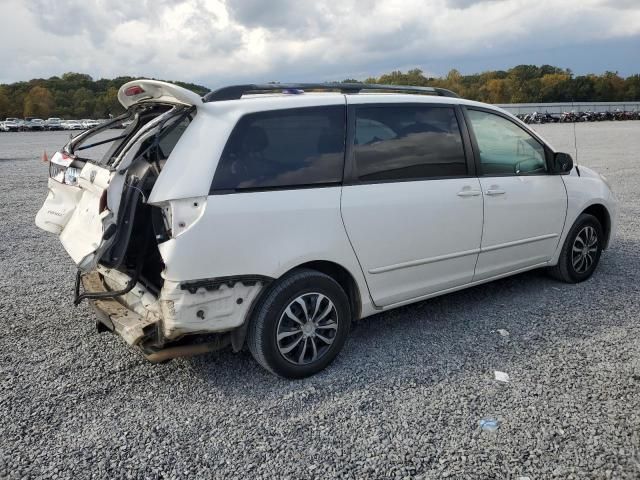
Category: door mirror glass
[562,162]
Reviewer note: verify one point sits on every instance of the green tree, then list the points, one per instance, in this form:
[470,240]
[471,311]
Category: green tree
[583,88]
[453,81]
[609,87]
[524,83]
[83,103]
[108,104]
[554,87]
[38,103]
[632,88]
[496,90]
[5,104]
[76,80]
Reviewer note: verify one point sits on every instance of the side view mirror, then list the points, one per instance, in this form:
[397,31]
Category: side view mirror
[562,162]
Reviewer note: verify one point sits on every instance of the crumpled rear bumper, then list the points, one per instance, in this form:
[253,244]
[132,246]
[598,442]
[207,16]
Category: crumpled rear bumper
[131,326]
[137,330]
[213,306]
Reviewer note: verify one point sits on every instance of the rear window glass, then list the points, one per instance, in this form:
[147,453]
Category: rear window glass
[171,137]
[93,149]
[107,142]
[284,148]
[407,142]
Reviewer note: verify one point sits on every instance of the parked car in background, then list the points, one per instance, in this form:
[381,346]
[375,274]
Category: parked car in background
[10,125]
[53,123]
[15,120]
[72,125]
[35,124]
[275,215]
[88,123]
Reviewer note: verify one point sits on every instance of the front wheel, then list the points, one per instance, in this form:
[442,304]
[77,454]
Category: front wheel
[581,250]
[301,324]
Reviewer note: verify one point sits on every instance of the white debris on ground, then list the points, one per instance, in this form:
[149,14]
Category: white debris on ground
[489,424]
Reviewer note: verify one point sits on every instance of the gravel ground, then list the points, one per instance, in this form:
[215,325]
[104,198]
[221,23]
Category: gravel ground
[404,399]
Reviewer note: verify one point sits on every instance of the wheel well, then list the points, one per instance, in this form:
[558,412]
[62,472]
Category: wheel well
[344,278]
[335,271]
[600,212]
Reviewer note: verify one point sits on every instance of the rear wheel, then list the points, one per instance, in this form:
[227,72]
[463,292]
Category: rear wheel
[581,250]
[301,324]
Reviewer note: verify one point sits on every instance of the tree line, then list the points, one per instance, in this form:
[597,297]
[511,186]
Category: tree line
[526,84]
[73,95]
[77,95]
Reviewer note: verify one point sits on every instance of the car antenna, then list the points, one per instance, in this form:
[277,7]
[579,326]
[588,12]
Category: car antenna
[575,139]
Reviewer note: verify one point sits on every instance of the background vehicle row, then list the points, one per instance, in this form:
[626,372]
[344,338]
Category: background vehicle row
[570,117]
[30,124]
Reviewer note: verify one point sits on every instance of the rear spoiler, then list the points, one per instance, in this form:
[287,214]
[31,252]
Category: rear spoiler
[145,91]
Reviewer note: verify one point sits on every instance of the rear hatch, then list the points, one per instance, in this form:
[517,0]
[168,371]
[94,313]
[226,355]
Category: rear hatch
[102,176]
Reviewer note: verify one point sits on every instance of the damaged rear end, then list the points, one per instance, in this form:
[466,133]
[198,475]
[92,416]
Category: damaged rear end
[98,206]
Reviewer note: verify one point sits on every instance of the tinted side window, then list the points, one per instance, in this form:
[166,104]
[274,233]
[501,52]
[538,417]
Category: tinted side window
[283,148]
[408,142]
[505,148]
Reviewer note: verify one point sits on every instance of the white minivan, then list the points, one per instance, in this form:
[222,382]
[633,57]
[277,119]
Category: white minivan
[274,215]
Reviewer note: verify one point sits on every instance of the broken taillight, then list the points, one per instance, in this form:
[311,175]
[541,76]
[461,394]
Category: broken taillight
[133,90]
[61,171]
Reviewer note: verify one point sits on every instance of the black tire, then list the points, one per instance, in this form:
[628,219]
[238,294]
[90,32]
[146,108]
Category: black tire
[566,270]
[269,315]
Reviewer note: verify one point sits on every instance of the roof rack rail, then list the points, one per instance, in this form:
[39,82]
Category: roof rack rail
[235,92]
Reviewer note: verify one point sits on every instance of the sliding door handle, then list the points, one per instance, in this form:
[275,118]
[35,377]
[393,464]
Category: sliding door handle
[495,191]
[469,193]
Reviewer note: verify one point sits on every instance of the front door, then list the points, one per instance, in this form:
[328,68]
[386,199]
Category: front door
[524,205]
[412,208]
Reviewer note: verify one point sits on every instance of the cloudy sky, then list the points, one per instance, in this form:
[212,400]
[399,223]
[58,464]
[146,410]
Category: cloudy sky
[214,42]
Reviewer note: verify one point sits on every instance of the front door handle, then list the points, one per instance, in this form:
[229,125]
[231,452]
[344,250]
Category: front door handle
[495,191]
[469,193]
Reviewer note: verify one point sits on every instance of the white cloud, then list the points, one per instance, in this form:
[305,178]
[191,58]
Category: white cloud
[215,42]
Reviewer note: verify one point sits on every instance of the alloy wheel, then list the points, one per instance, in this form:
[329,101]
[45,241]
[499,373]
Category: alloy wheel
[584,250]
[307,328]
